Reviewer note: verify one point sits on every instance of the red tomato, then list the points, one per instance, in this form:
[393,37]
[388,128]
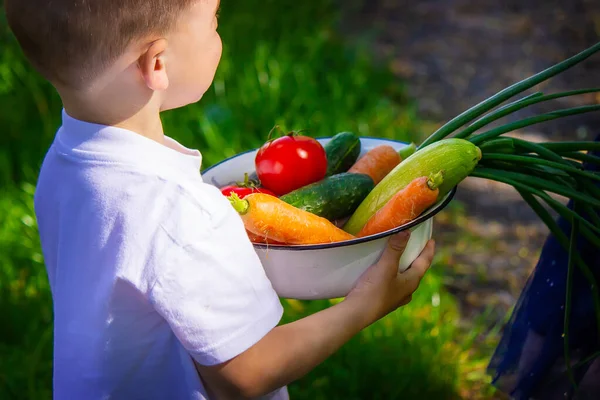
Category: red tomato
[290,162]
[243,191]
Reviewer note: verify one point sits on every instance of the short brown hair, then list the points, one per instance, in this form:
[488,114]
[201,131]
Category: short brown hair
[70,42]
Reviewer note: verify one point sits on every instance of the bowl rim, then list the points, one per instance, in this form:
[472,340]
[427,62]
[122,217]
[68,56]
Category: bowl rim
[433,210]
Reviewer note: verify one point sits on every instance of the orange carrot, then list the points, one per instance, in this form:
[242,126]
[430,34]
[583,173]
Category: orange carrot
[266,215]
[377,162]
[262,239]
[405,205]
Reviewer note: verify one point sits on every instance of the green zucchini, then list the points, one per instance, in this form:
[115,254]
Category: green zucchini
[342,152]
[334,197]
[456,158]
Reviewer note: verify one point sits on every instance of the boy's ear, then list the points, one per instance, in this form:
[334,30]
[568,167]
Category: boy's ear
[152,66]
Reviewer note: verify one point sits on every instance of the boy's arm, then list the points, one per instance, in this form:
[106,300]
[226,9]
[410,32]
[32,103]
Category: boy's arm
[290,351]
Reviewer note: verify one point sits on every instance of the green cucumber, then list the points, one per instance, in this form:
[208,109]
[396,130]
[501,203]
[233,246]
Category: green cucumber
[334,197]
[456,158]
[342,152]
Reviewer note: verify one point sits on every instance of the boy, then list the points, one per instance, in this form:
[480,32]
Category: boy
[157,291]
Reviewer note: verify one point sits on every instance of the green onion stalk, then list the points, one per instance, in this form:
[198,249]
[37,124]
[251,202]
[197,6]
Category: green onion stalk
[536,170]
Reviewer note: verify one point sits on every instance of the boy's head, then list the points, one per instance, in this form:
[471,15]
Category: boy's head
[164,47]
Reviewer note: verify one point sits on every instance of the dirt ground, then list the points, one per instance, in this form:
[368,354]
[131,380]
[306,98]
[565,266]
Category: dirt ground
[452,54]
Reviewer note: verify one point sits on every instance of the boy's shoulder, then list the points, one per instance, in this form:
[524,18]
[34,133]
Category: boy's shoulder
[116,171]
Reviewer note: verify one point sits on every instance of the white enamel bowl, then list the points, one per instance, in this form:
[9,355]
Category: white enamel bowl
[325,271]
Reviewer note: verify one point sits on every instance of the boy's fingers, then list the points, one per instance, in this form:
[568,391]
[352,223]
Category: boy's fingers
[393,251]
[419,267]
[406,301]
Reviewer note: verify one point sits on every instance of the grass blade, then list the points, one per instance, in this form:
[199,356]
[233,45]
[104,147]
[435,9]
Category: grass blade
[561,147]
[557,159]
[587,360]
[543,184]
[497,114]
[568,296]
[506,94]
[557,176]
[540,150]
[498,144]
[582,157]
[589,187]
[540,161]
[569,283]
[590,231]
[530,147]
[592,213]
[492,133]
[535,98]
[564,241]
[560,177]
[571,215]
[486,173]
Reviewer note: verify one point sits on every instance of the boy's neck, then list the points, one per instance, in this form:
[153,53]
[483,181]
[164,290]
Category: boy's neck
[145,123]
[139,115]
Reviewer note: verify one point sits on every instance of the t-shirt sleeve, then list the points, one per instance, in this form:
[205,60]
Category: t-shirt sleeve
[210,285]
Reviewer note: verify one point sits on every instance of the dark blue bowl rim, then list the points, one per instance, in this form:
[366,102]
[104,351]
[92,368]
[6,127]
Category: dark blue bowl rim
[435,209]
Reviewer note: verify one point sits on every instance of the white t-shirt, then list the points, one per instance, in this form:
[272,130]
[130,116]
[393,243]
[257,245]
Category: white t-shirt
[149,267]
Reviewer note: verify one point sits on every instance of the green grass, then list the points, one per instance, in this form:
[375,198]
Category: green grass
[25,302]
[280,66]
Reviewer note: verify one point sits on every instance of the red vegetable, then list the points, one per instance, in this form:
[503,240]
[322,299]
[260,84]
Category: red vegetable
[290,162]
[243,189]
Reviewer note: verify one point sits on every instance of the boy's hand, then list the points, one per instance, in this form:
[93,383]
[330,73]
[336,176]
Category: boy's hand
[382,289]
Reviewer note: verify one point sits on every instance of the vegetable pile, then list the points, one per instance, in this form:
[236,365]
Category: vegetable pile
[306,193]
[352,193]
[299,179]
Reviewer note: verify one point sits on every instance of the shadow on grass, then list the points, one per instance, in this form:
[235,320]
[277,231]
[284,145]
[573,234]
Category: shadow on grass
[25,349]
